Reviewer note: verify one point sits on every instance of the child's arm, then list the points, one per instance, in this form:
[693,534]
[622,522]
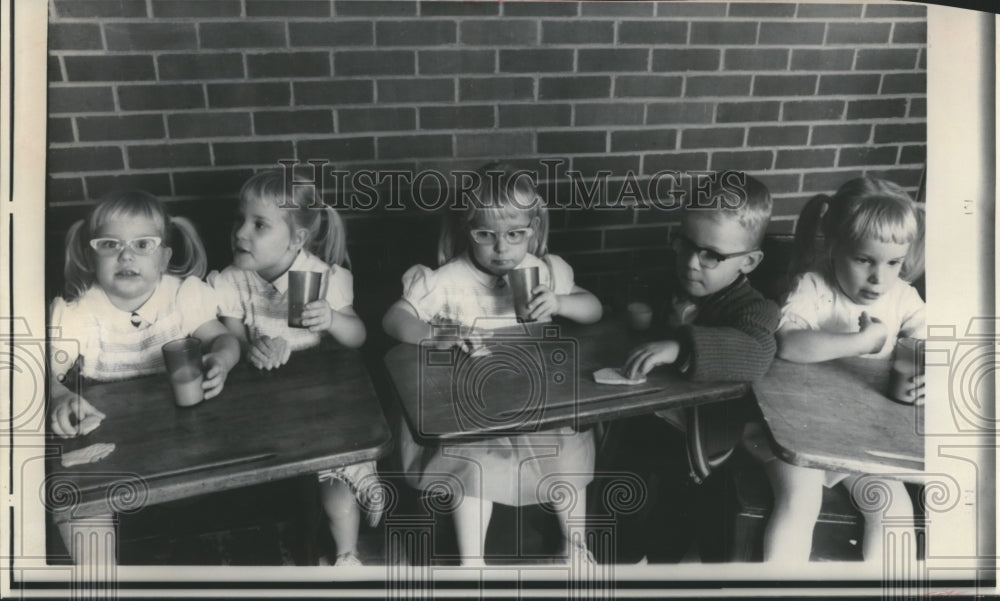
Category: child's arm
[67,407]
[223,355]
[343,324]
[813,346]
[579,305]
[402,323]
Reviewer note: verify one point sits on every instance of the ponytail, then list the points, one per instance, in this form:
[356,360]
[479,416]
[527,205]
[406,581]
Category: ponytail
[77,270]
[913,265]
[809,239]
[330,241]
[189,257]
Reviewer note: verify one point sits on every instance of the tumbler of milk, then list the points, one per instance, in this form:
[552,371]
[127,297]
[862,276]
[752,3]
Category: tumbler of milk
[183,360]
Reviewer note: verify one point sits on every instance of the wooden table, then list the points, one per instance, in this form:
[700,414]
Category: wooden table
[835,415]
[318,411]
[537,377]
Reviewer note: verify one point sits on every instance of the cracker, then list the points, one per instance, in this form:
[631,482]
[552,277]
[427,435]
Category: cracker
[613,376]
[91,454]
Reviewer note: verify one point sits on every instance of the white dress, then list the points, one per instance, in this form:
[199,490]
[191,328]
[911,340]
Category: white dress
[523,469]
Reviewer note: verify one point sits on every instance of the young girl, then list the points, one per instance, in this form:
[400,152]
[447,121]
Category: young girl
[504,227]
[278,230]
[125,298]
[855,301]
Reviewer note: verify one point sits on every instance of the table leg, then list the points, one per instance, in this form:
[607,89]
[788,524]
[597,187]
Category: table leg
[93,545]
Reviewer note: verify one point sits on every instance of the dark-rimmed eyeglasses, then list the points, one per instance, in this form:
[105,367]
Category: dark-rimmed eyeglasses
[708,258]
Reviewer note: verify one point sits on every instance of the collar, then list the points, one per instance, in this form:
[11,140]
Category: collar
[150,310]
[708,298]
[298,264]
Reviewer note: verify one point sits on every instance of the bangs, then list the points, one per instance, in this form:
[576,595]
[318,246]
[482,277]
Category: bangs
[130,205]
[885,219]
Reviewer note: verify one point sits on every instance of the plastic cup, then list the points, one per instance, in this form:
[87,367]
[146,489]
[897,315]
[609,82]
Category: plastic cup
[303,288]
[183,360]
[907,361]
[522,282]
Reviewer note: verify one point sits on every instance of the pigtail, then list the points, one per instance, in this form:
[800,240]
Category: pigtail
[77,270]
[540,244]
[913,265]
[809,239]
[330,242]
[452,241]
[189,256]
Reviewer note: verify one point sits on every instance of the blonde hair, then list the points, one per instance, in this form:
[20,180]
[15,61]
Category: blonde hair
[501,188]
[326,236]
[736,195]
[865,208]
[188,257]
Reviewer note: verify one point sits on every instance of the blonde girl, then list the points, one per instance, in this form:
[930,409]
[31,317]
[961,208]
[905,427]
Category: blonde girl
[282,226]
[503,226]
[855,300]
[132,283]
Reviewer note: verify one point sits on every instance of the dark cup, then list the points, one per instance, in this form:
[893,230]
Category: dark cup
[907,362]
[303,288]
[522,282]
[183,361]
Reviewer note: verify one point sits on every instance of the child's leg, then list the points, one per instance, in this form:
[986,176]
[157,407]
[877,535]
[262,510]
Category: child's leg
[472,519]
[342,513]
[572,520]
[798,495]
[898,506]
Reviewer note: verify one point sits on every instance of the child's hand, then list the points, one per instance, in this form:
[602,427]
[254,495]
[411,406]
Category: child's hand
[469,340]
[317,316]
[647,356]
[269,353]
[917,390]
[216,372]
[874,331]
[72,416]
[543,304]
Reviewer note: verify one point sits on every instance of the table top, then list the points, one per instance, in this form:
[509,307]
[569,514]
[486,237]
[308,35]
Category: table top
[536,377]
[835,415]
[318,411]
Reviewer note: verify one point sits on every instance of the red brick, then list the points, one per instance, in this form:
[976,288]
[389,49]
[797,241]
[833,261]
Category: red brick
[922,60]
[120,67]
[458,9]
[496,88]
[918,107]
[252,153]
[607,59]
[813,110]
[654,32]
[849,85]
[90,158]
[157,184]
[784,85]
[690,9]
[674,161]
[609,114]
[599,262]
[852,156]
[209,124]
[247,34]
[560,88]
[296,121]
[895,10]
[680,112]
[603,214]
[646,139]
[780,183]
[90,9]
[654,86]
[747,59]
[200,66]
[791,34]
[717,85]
[571,142]
[459,117]
[785,207]
[494,144]
[577,32]
[53,69]
[497,32]
[535,115]
[714,137]
[168,155]
[376,119]
[900,132]
[151,36]
[802,158]
[127,127]
[858,33]
[732,112]
[60,131]
[405,147]
[876,109]
[909,33]
[839,11]
[80,99]
[75,36]
[332,33]
[724,33]
[440,62]
[886,59]
[841,134]
[746,160]
[213,183]
[637,237]
[299,8]
[191,9]
[161,96]
[337,150]
[231,95]
[373,62]
[288,64]
[904,83]
[686,59]
[913,154]
[415,90]
[334,92]
[536,60]
[423,32]
[566,241]
[778,136]
[836,59]
[761,9]
[538,9]
[374,8]
[617,9]
[827,181]
[63,189]
[907,178]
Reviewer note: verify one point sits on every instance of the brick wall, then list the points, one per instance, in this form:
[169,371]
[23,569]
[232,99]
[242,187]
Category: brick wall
[186,98]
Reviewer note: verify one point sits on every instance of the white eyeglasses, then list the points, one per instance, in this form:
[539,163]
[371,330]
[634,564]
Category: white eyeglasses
[108,247]
[486,237]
